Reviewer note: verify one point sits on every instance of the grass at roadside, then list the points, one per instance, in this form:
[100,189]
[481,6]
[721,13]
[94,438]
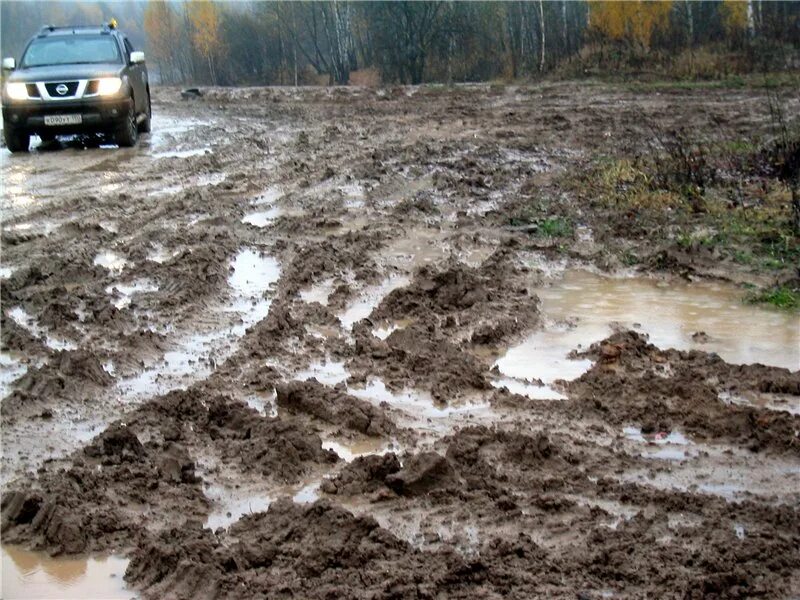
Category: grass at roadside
[784,297]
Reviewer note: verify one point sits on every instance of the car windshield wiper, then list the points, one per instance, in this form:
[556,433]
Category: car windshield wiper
[77,62]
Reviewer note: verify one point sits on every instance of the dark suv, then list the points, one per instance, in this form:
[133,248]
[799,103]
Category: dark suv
[76,80]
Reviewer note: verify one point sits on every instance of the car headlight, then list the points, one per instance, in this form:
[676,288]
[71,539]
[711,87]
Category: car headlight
[108,86]
[16,91]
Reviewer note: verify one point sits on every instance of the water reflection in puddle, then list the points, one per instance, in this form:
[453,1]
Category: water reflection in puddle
[350,450]
[385,329]
[262,218]
[268,196]
[122,292]
[318,293]
[544,355]
[11,369]
[33,575]
[231,507]
[670,313]
[161,255]
[777,402]
[183,153]
[39,228]
[22,318]
[660,445]
[232,504]
[111,261]
[329,372]
[211,179]
[525,388]
[417,404]
[265,404]
[369,299]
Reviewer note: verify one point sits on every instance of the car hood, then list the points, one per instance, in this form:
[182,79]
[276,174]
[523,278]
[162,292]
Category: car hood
[66,72]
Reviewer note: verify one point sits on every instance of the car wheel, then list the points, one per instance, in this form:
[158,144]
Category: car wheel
[128,133]
[144,126]
[16,141]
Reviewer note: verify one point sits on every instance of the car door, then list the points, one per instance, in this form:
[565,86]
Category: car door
[137,76]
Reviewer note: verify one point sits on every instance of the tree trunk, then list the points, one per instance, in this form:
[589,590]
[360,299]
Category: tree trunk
[211,69]
[795,187]
[541,31]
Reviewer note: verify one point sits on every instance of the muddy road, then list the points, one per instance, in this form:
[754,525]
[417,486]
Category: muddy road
[375,343]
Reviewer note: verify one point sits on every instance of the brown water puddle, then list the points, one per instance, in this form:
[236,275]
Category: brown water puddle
[583,308]
[35,575]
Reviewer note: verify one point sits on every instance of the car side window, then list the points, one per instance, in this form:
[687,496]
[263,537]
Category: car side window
[128,50]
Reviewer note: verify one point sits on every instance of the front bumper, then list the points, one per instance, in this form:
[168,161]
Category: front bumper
[98,115]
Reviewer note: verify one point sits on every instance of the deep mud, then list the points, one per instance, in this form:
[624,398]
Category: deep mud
[302,353]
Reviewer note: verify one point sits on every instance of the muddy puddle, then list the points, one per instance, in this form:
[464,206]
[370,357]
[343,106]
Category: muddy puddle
[368,299]
[123,294]
[583,308]
[21,317]
[262,218]
[319,292]
[37,576]
[111,261]
[229,505]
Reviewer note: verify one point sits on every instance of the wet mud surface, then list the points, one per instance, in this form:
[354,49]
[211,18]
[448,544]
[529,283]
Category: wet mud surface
[292,346]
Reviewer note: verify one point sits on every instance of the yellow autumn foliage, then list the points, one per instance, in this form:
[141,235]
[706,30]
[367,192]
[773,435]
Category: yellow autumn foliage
[160,29]
[734,16]
[634,21]
[204,16]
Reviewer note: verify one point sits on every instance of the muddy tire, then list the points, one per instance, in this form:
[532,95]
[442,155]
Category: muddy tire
[144,126]
[128,133]
[16,141]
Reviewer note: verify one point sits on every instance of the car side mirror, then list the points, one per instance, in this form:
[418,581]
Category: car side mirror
[137,57]
[9,64]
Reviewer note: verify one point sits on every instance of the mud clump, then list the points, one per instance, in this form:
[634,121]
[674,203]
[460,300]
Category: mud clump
[485,300]
[115,445]
[93,505]
[333,406]
[323,551]
[67,374]
[365,475]
[666,389]
[421,474]
[312,552]
[280,449]
[418,356]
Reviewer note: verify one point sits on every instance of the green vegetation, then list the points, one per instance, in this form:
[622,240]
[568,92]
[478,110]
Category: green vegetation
[555,227]
[780,296]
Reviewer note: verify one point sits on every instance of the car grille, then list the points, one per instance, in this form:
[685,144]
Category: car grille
[72,88]
[33,91]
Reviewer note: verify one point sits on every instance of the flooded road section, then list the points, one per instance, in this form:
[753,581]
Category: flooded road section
[277,349]
[36,576]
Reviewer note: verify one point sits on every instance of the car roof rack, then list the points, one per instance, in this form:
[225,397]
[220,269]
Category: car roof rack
[105,28]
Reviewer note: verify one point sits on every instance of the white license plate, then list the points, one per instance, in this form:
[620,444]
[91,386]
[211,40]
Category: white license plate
[62,119]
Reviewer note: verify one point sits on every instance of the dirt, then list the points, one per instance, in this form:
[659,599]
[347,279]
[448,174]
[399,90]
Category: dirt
[261,355]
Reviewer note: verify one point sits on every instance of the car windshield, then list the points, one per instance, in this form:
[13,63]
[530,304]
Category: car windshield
[64,50]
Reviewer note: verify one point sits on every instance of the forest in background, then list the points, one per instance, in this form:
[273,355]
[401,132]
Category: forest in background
[342,42]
